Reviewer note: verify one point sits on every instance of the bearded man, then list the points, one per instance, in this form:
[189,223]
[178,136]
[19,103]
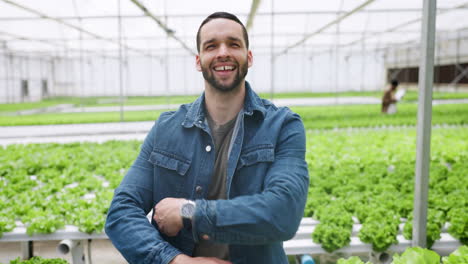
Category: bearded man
[225,175]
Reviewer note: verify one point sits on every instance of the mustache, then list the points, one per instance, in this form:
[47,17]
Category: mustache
[224,60]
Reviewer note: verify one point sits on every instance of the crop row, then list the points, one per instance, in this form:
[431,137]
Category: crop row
[369,177]
[417,255]
[178,99]
[365,176]
[409,256]
[313,116]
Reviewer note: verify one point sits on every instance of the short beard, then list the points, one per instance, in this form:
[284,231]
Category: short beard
[240,77]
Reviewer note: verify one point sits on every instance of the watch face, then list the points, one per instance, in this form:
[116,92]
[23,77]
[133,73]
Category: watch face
[187,210]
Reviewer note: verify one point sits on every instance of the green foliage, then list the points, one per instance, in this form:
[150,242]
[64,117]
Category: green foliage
[437,95]
[369,174]
[335,227]
[331,236]
[458,219]
[314,117]
[380,229]
[417,255]
[351,260]
[39,260]
[410,96]
[458,256]
[7,223]
[366,175]
[435,221]
[329,117]
[77,118]
[51,185]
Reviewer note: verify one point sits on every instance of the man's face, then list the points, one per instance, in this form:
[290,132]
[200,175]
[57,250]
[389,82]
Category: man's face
[223,58]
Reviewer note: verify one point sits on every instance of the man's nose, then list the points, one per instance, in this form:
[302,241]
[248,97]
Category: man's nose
[223,51]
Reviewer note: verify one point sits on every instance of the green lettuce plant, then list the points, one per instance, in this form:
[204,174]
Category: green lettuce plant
[417,255]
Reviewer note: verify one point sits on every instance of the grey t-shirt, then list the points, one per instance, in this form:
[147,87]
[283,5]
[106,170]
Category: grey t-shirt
[222,138]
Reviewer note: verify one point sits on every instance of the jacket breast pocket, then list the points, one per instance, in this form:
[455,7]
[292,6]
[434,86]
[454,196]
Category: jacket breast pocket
[170,172]
[252,167]
[256,154]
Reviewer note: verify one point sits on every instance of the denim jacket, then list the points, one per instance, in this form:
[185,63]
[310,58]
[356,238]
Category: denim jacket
[267,183]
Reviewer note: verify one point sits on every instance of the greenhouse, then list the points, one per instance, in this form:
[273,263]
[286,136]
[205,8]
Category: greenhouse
[381,88]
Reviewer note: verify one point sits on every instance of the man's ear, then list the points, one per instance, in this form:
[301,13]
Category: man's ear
[198,63]
[249,58]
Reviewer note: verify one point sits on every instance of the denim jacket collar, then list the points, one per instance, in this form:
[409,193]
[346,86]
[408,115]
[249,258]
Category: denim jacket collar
[196,111]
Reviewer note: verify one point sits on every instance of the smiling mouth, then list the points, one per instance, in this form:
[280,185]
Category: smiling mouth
[224,68]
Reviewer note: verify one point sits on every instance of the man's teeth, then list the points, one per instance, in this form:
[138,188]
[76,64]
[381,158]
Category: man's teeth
[224,68]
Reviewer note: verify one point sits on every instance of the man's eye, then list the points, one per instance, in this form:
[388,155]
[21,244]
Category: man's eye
[210,46]
[235,45]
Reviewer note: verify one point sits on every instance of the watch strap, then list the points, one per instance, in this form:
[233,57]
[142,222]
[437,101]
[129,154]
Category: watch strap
[187,222]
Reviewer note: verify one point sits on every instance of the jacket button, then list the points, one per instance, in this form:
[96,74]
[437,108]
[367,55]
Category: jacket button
[208,148]
[198,189]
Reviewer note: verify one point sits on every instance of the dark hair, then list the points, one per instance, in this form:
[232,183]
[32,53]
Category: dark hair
[394,82]
[224,15]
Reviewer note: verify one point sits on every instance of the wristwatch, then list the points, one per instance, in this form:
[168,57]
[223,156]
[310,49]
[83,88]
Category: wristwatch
[186,212]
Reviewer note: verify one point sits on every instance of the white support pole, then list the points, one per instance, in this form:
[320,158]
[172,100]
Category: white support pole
[26,250]
[121,99]
[426,79]
[5,68]
[272,50]
[166,61]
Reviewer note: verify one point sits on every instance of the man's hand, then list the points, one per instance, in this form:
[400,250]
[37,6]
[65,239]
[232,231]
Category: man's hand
[167,215]
[184,259]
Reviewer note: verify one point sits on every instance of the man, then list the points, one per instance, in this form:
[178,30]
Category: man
[226,175]
[388,100]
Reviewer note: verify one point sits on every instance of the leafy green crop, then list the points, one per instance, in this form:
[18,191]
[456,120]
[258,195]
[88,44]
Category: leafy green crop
[39,260]
[52,185]
[417,255]
[331,236]
[458,256]
[435,221]
[314,117]
[7,223]
[458,219]
[380,229]
[370,174]
[335,227]
[351,260]
[363,175]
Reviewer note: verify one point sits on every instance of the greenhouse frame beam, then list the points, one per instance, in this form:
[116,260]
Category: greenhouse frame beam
[423,140]
[22,38]
[312,12]
[252,13]
[50,43]
[333,22]
[390,44]
[169,32]
[60,21]
[407,23]
[285,34]
[460,76]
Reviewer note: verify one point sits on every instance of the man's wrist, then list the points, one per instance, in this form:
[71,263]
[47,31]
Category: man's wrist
[180,259]
[187,211]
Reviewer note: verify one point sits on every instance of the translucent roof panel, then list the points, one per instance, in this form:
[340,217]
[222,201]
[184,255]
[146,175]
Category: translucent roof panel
[53,26]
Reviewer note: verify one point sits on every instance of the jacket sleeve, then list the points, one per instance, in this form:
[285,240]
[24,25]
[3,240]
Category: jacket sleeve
[270,216]
[126,225]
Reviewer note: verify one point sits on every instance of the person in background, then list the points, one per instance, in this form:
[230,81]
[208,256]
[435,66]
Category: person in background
[225,175]
[388,100]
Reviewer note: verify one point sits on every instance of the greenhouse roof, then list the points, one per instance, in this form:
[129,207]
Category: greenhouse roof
[156,26]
